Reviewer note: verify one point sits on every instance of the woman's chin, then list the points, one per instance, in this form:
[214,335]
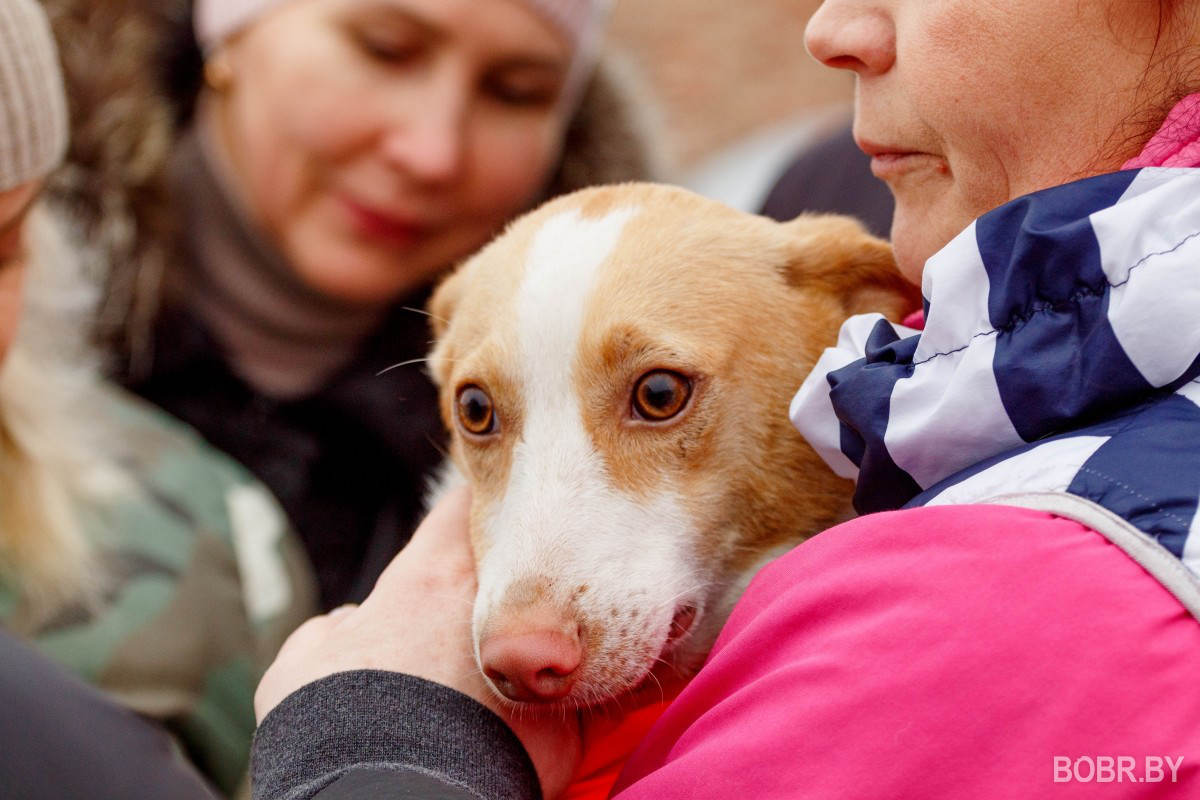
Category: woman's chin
[913,246]
[354,277]
[921,227]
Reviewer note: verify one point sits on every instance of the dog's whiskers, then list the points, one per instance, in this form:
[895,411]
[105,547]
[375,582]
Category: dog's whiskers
[438,446]
[402,364]
[425,313]
[699,587]
[662,693]
[679,671]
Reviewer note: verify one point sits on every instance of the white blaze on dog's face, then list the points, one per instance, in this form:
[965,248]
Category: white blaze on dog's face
[616,370]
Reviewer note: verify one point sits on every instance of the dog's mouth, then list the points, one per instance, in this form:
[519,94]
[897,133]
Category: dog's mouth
[672,667]
[671,656]
[681,625]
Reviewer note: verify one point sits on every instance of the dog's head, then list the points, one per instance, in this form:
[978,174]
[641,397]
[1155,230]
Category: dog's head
[616,370]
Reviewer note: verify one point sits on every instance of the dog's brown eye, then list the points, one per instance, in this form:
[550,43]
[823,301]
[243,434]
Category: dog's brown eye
[475,411]
[660,395]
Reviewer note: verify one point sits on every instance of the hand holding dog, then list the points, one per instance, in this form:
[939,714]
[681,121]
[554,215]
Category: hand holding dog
[418,621]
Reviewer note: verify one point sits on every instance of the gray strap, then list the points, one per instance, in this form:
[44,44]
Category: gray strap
[1152,556]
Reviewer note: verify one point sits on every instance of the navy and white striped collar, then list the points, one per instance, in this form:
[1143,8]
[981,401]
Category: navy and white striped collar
[1058,314]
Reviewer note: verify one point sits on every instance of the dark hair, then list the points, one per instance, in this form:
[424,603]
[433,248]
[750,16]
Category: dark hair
[180,60]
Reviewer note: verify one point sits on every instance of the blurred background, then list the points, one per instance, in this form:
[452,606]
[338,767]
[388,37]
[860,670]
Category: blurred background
[735,94]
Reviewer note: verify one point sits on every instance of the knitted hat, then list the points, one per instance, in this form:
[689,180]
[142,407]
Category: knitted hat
[33,104]
[581,21]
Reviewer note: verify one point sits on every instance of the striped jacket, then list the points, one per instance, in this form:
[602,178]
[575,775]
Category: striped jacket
[1060,355]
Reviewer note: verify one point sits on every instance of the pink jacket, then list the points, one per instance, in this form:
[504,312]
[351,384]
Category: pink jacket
[954,652]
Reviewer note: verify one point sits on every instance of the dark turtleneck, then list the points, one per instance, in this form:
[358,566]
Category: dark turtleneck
[287,382]
[281,336]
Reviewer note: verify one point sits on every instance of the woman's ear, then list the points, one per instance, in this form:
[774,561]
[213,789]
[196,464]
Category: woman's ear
[836,256]
[218,71]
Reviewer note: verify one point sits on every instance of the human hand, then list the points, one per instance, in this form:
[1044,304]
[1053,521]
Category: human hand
[417,621]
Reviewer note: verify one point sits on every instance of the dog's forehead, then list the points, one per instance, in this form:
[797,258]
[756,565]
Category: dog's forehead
[566,254]
[606,259]
[636,232]
[564,258]
[644,238]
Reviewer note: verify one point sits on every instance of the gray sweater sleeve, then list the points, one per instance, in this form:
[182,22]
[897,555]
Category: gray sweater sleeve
[368,734]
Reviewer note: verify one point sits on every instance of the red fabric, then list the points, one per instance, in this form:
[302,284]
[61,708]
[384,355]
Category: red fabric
[607,745]
[948,652]
[1177,143]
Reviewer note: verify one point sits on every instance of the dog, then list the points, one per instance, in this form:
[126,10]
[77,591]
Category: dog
[615,370]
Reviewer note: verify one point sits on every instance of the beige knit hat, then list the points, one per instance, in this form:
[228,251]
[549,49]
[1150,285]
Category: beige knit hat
[581,21]
[33,104]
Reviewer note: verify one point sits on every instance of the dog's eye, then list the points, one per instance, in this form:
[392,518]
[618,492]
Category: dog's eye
[660,395]
[475,411]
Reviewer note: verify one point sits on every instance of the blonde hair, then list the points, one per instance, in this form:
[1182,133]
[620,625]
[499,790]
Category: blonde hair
[58,458]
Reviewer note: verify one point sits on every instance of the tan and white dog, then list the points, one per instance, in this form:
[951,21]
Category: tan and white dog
[616,370]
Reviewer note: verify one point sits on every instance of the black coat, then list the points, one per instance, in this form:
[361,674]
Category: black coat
[832,177]
[349,463]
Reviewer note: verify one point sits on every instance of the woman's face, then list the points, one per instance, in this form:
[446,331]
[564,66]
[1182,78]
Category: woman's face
[378,141]
[15,205]
[966,104]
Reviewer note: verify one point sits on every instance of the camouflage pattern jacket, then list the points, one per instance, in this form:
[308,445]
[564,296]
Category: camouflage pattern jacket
[201,580]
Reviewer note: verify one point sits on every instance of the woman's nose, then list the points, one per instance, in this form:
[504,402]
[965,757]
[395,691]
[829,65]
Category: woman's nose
[857,35]
[429,142]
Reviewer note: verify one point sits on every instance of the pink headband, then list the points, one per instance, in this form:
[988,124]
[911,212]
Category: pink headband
[217,20]
[582,21]
[33,105]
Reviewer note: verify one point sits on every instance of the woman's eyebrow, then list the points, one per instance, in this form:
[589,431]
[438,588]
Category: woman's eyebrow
[436,30]
[549,67]
[384,10]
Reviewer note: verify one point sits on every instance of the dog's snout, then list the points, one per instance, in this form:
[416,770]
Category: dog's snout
[533,663]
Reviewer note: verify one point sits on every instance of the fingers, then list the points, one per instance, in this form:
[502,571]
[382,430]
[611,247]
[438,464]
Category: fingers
[342,610]
[278,681]
[433,577]
[308,634]
[423,600]
[439,555]
[447,527]
[555,746]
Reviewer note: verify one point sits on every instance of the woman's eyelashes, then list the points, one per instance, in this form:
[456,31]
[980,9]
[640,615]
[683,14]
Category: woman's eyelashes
[388,49]
[524,85]
[523,90]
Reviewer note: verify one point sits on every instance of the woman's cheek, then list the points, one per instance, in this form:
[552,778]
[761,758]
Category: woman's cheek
[12,279]
[515,165]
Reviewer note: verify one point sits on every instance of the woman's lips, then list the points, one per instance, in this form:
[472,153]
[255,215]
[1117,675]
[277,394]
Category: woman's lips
[891,162]
[381,225]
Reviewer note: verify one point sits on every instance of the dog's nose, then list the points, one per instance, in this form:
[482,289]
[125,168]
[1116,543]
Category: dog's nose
[533,667]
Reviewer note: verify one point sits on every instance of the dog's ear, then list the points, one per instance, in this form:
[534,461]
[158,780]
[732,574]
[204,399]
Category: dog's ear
[445,299]
[835,255]
[442,305]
